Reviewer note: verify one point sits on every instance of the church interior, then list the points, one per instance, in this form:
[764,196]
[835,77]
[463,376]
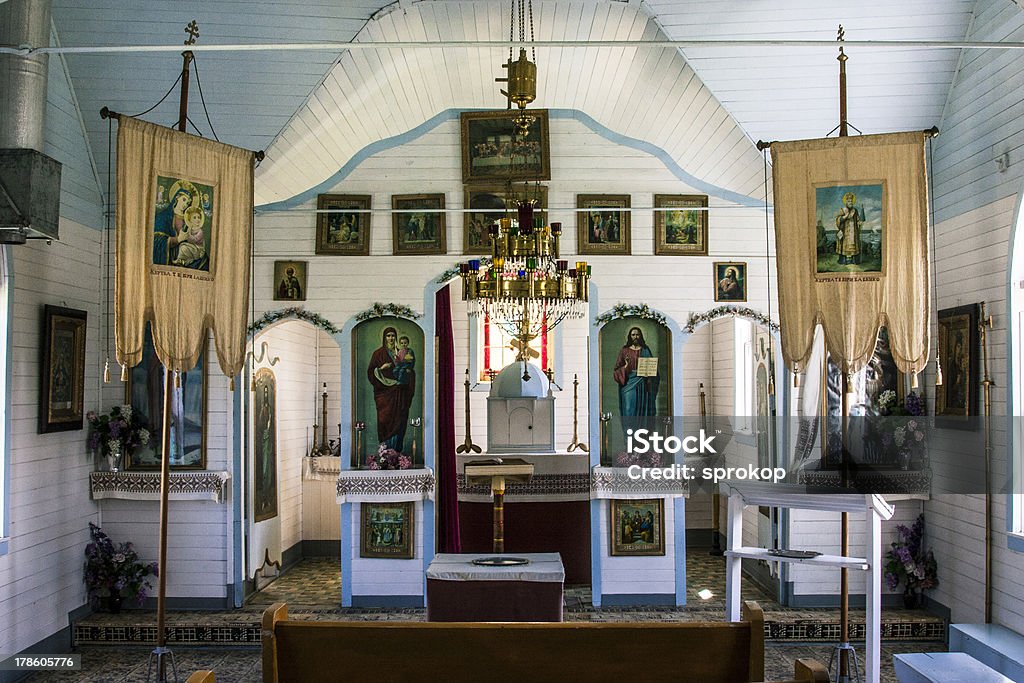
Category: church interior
[350,322]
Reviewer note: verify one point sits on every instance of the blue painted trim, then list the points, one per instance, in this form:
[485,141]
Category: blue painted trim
[387,601]
[346,553]
[595,551]
[679,506]
[573,114]
[1015,542]
[429,539]
[7,273]
[358,158]
[639,599]
[660,154]
[238,499]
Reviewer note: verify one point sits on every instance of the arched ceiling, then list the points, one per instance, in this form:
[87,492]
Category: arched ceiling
[311,108]
[644,93]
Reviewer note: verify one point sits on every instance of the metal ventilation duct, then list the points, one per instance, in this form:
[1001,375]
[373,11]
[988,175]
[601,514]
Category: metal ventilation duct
[29,180]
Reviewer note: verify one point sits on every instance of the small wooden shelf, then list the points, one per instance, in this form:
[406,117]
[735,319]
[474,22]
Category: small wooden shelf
[858,563]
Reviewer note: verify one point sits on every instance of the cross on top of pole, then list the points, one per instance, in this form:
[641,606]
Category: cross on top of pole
[193,32]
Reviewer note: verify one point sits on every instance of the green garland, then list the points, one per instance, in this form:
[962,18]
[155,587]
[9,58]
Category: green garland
[630,311]
[314,319]
[722,311]
[379,310]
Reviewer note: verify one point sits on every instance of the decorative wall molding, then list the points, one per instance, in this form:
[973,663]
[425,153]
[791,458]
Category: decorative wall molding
[198,485]
[385,486]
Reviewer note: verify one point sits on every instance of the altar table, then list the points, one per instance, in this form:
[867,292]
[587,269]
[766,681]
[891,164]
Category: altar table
[458,590]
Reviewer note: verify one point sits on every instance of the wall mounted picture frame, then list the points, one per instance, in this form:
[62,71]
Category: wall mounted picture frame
[386,530]
[290,280]
[341,230]
[637,527]
[682,230]
[264,446]
[603,227]
[956,399]
[62,376]
[492,150]
[418,224]
[730,281]
[486,204]
[144,392]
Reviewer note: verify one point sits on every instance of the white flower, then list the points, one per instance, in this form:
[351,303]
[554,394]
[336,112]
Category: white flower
[899,435]
[143,436]
[114,446]
[126,411]
[118,558]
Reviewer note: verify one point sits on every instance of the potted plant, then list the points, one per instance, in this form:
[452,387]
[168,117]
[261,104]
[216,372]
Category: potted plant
[908,563]
[114,572]
[116,435]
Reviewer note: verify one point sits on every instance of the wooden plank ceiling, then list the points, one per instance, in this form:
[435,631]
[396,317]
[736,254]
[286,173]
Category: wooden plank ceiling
[313,110]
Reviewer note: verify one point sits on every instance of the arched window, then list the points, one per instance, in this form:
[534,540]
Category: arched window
[1016,334]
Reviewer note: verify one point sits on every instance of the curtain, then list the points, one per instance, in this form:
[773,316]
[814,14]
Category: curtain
[449,540]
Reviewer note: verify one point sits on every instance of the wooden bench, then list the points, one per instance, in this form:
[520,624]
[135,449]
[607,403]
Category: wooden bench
[730,652]
[202,676]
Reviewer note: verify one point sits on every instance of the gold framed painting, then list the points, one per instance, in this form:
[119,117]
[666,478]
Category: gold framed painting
[386,530]
[493,150]
[289,280]
[603,224]
[680,225]
[342,226]
[730,281]
[956,399]
[486,204]
[62,386]
[418,224]
[637,527]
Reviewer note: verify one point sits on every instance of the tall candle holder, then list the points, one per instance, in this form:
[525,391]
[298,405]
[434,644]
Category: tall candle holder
[324,448]
[605,419]
[415,423]
[576,443]
[357,455]
[468,446]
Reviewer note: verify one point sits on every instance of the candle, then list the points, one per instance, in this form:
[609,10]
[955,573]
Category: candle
[556,228]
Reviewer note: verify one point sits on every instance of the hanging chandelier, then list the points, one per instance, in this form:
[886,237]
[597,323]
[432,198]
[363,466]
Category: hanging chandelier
[525,287]
[522,73]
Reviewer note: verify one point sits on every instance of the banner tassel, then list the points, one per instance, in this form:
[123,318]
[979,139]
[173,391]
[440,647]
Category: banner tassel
[106,371]
[913,382]
[231,383]
[124,373]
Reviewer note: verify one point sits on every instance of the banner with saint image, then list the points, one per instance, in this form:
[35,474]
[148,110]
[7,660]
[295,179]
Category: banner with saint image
[184,222]
[851,229]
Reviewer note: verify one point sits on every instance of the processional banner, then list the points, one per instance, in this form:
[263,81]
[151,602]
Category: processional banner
[184,225]
[851,230]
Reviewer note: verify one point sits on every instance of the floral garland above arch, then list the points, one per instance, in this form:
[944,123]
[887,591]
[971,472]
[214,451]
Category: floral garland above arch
[379,310]
[315,319]
[722,311]
[630,311]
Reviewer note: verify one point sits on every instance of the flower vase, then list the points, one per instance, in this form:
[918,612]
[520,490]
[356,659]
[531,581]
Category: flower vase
[114,603]
[911,599]
[904,459]
[114,462]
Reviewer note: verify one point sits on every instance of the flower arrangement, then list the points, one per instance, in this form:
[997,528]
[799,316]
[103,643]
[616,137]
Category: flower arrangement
[388,458]
[115,570]
[898,434]
[908,563]
[116,434]
[649,459]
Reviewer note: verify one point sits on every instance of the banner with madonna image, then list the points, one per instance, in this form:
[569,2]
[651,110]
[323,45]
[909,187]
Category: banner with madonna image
[851,229]
[184,220]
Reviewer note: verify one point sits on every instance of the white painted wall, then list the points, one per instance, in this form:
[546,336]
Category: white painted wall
[376,576]
[648,575]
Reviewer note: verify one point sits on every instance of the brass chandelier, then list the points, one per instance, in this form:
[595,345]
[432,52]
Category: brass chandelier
[525,286]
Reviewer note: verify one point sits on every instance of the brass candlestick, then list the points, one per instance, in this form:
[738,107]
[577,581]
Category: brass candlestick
[324,448]
[468,446]
[357,455]
[984,325]
[605,418]
[576,443]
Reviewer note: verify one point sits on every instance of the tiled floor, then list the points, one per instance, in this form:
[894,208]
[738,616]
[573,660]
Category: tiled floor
[312,591]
